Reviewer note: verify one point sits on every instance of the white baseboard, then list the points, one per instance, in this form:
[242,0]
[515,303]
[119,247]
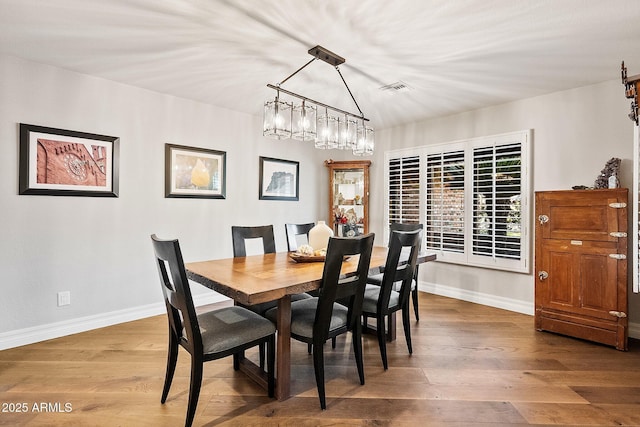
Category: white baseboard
[517,306]
[35,334]
[510,304]
[634,330]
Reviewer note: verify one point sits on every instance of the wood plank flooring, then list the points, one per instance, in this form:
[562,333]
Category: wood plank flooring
[471,366]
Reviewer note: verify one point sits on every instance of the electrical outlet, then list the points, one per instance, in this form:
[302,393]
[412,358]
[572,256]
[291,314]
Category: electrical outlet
[64,298]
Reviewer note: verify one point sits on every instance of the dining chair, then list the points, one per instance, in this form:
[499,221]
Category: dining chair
[207,336]
[294,230]
[315,320]
[239,236]
[376,279]
[381,301]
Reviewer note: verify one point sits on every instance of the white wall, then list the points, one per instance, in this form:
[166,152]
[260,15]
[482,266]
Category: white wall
[99,248]
[575,132]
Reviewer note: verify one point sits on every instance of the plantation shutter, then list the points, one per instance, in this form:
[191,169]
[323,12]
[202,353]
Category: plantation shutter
[444,221]
[497,196]
[404,190]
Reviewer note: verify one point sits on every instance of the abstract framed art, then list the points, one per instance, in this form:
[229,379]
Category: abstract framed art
[194,172]
[59,162]
[279,179]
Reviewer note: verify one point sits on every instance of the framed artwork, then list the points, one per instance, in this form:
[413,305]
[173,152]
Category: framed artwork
[195,172]
[279,179]
[58,162]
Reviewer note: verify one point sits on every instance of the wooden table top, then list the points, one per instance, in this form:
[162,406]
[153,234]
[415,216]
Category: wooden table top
[261,278]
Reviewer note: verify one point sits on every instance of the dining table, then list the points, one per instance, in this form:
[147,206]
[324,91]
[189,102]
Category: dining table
[276,276]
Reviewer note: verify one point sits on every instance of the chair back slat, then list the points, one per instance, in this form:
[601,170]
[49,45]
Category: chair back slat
[240,233]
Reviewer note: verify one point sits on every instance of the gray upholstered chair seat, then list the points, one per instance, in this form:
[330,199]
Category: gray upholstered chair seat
[231,327]
[303,314]
[371,294]
[376,279]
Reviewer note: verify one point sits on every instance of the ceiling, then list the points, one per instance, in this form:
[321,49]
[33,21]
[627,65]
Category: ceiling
[453,56]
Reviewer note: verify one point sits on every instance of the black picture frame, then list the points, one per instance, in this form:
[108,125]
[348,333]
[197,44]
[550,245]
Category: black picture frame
[279,179]
[61,162]
[194,172]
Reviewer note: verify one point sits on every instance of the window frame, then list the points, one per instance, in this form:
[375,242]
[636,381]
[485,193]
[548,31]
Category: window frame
[467,257]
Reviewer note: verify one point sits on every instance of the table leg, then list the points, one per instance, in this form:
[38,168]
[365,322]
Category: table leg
[391,327]
[283,349]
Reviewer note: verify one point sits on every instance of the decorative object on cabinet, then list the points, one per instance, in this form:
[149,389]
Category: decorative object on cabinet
[349,197]
[59,162]
[581,264]
[327,126]
[279,179]
[192,172]
[609,171]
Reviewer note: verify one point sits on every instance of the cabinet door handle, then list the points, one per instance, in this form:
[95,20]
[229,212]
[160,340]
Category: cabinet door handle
[617,256]
[619,314]
[618,205]
[618,234]
[542,275]
[543,219]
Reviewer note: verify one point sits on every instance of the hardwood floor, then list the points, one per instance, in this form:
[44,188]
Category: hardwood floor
[471,366]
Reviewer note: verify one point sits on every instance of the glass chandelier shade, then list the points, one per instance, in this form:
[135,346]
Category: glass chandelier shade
[364,142]
[348,133]
[277,119]
[332,131]
[322,137]
[303,125]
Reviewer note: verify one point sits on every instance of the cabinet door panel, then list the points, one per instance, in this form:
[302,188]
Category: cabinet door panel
[559,267]
[581,222]
[580,216]
[597,296]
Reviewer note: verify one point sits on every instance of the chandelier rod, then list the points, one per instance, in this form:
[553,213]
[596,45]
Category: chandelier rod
[278,88]
[349,90]
[297,71]
[319,52]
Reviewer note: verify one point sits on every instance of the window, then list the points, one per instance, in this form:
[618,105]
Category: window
[472,196]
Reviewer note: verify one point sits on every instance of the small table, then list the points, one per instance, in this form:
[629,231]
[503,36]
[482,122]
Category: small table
[273,277]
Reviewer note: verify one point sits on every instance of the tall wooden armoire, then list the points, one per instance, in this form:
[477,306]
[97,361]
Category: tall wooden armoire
[581,264]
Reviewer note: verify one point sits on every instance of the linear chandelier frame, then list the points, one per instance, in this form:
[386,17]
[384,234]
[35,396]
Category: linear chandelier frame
[339,129]
[319,52]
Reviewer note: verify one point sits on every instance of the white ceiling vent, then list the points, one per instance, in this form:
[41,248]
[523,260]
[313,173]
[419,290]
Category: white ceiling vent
[398,86]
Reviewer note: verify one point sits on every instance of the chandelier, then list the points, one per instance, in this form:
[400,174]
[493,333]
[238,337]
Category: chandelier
[328,127]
